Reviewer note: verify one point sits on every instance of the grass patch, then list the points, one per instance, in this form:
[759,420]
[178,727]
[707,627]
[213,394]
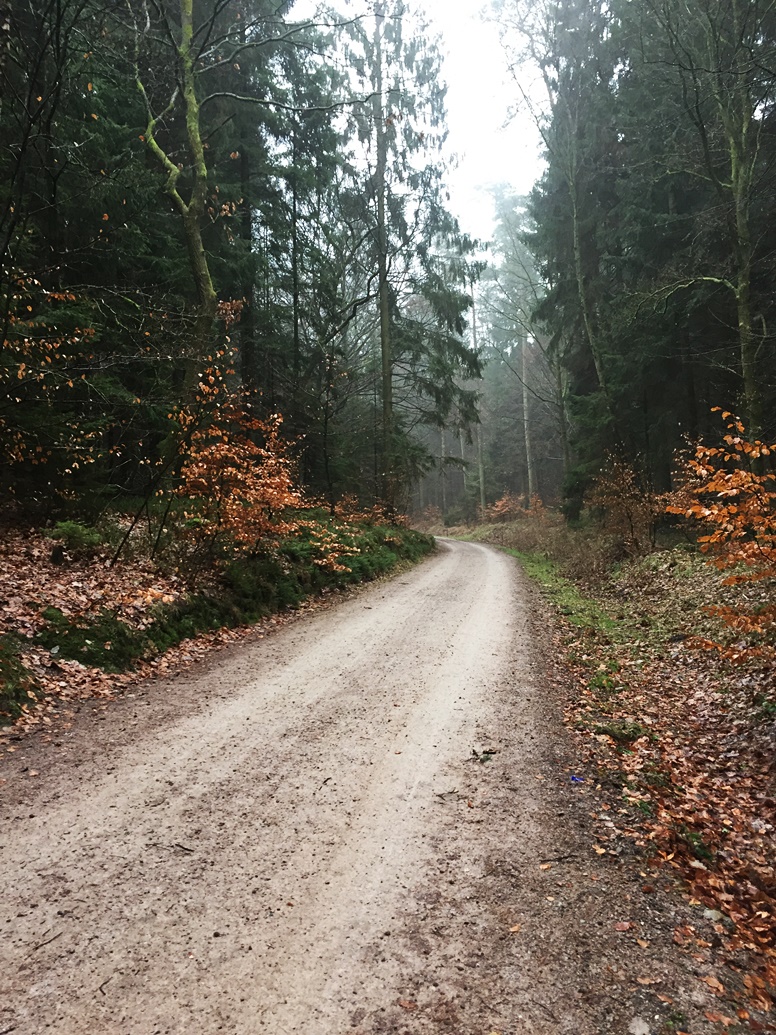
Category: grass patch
[579,610]
[103,641]
[17,686]
[622,731]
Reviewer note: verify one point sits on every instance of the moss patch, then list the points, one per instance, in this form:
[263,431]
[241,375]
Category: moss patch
[17,685]
[246,591]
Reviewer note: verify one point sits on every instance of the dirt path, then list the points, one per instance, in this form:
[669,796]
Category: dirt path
[299,838]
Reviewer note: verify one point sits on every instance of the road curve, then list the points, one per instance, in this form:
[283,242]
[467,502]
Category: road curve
[245,866]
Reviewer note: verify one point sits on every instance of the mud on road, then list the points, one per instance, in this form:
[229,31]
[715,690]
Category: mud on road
[363,823]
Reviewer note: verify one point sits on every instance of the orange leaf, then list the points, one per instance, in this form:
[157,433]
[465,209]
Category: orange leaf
[718,1018]
[714,984]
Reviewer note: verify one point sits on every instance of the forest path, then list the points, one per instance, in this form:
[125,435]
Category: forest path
[297,836]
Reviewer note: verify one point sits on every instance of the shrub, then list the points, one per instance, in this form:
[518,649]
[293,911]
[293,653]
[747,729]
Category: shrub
[728,493]
[629,509]
[17,686]
[76,538]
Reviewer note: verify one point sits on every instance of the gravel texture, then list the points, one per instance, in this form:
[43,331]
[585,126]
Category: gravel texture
[363,823]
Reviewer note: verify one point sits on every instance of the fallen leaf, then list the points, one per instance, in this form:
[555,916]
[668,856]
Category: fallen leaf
[718,1018]
[516,929]
[407,1004]
[599,850]
[648,981]
[545,866]
[642,943]
[623,925]
[664,998]
[714,984]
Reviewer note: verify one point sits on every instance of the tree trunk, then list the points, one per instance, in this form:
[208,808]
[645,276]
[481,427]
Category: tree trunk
[386,366]
[191,212]
[443,472]
[297,357]
[207,300]
[530,459]
[480,465]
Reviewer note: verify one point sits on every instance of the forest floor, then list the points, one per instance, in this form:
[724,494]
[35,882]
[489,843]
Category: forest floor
[372,820]
[678,734]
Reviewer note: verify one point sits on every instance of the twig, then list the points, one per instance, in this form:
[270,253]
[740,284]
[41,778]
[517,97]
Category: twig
[105,982]
[546,1009]
[48,941]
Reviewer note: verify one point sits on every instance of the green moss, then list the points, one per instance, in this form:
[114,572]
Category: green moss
[77,538]
[17,685]
[103,641]
[248,590]
[621,731]
[578,609]
[697,845]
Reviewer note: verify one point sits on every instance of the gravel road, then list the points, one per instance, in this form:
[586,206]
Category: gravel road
[299,837]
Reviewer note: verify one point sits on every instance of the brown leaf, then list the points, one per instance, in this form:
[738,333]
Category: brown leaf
[516,928]
[623,925]
[718,1018]
[714,984]
[407,1004]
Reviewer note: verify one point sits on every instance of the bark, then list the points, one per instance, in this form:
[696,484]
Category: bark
[386,358]
[481,470]
[480,464]
[443,472]
[193,210]
[530,459]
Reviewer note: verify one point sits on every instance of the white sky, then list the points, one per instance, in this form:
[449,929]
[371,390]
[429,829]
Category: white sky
[480,93]
[490,148]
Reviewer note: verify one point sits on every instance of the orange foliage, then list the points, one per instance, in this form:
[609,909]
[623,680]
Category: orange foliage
[630,509]
[37,368]
[507,508]
[730,493]
[238,480]
[350,508]
[238,475]
[512,508]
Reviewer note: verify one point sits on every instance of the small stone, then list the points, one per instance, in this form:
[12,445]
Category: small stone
[638,1026]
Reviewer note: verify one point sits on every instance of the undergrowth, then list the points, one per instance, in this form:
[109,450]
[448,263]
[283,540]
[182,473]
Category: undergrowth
[112,637]
[679,739]
[17,685]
